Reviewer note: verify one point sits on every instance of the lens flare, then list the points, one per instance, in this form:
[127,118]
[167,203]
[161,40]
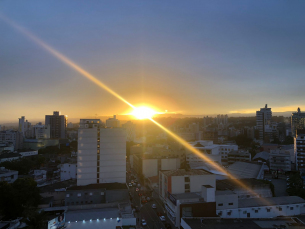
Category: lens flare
[143,112]
[140,112]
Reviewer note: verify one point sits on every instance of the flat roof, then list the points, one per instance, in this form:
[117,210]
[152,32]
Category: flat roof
[254,223]
[231,184]
[187,195]
[270,201]
[58,185]
[182,172]
[244,169]
[107,186]
[80,215]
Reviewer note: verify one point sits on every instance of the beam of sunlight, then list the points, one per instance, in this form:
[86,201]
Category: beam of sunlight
[65,59]
[93,79]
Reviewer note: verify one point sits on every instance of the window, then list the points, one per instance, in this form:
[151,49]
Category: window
[187,186]
[98,169]
[245,212]
[102,193]
[229,213]
[90,193]
[248,196]
[280,209]
[220,204]
[268,209]
[291,208]
[79,194]
[97,175]
[230,203]
[256,211]
[186,179]
[219,213]
[67,195]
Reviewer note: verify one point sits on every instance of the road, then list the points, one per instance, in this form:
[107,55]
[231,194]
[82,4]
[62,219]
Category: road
[146,211]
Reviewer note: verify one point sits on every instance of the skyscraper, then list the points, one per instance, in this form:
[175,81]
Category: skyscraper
[113,122]
[297,121]
[58,124]
[101,156]
[263,121]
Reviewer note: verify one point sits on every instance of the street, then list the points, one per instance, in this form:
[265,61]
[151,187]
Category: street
[146,211]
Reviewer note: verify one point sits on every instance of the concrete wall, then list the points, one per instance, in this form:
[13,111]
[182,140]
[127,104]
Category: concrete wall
[197,181]
[170,163]
[150,167]
[224,201]
[117,195]
[67,171]
[262,212]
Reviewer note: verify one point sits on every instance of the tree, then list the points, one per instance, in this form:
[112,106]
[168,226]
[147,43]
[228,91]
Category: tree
[16,197]
[35,219]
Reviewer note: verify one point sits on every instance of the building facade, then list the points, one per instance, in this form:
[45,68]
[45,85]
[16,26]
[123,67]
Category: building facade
[297,121]
[263,120]
[101,156]
[58,124]
[112,122]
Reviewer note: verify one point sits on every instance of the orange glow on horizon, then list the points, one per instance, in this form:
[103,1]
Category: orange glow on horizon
[142,112]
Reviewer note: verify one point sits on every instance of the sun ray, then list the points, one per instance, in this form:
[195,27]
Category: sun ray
[93,79]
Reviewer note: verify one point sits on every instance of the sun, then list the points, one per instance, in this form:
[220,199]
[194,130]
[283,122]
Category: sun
[143,112]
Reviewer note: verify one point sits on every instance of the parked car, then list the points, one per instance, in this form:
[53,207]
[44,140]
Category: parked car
[162,218]
[137,189]
[130,185]
[143,222]
[154,206]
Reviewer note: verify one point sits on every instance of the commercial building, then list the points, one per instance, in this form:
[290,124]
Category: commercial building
[96,194]
[149,165]
[41,131]
[227,223]
[297,121]
[101,156]
[183,181]
[8,175]
[58,124]
[12,136]
[263,120]
[112,122]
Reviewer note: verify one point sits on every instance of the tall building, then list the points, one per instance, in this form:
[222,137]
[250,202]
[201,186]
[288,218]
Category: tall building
[25,127]
[130,130]
[222,119]
[297,121]
[101,156]
[58,124]
[113,122]
[299,151]
[263,121]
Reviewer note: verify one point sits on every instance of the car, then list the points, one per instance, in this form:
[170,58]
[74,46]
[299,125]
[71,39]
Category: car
[154,206]
[143,222]
[132,181]
[134,184]
[130,185]
[147,198]
[162,218]
[137,189]
[140,194]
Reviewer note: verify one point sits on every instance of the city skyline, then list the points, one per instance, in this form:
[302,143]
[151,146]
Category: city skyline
[220,59]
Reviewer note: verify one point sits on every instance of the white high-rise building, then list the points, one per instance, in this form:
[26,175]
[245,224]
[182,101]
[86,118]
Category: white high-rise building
[130,130]
[101,156]
[113,122]
[263,121]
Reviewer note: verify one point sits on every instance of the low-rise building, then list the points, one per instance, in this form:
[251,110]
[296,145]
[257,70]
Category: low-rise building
[236,155]
[241,170]
[97,194]
[183,181]
[68,171]
[279,160]
[8,175]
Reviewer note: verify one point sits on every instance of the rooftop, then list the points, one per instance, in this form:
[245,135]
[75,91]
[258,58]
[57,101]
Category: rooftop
[221,223]
[244,169]
[263,155]
[187,195]
[230,184]
[183,172]
[271,201]
[9,155]
[108,186]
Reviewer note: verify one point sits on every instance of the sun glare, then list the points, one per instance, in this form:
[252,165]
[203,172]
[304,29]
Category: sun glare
[143,112]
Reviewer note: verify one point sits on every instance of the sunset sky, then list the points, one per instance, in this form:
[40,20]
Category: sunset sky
[189,57]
